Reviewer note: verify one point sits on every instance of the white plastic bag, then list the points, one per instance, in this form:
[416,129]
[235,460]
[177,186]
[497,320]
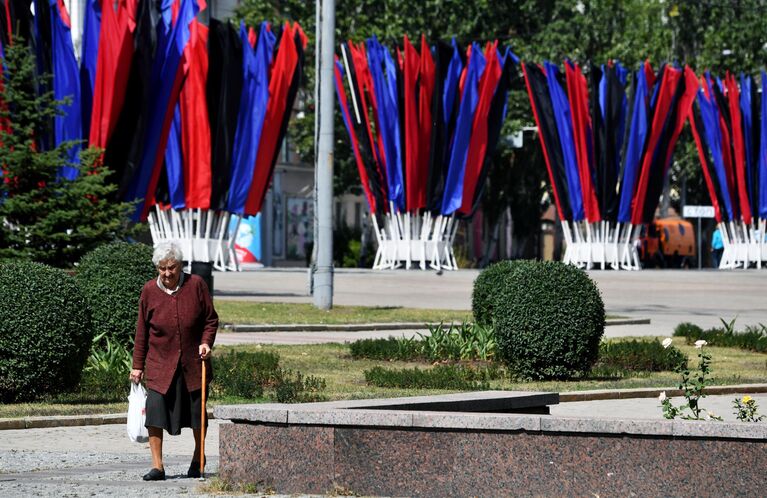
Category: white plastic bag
[137,414]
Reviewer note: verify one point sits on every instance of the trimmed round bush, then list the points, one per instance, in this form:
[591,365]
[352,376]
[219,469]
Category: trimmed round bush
[45,331]
[549,319]
[485,287]
[111,277]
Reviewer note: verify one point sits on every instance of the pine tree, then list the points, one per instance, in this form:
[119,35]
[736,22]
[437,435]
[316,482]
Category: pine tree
[43,216]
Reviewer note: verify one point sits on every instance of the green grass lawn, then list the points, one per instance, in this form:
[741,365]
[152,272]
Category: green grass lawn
[249,312]
[345,379]
[254,313]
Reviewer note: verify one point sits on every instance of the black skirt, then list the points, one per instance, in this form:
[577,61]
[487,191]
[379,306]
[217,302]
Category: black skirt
[177,409]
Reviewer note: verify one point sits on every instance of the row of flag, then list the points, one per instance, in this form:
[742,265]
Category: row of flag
[190,116]
[423,123]
[607,155]
[729,124]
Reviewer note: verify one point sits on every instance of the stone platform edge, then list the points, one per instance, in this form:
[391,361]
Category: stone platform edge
[594,395]
[358,327]
[357,415]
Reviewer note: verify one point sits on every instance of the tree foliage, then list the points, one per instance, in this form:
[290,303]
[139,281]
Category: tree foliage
[43,216]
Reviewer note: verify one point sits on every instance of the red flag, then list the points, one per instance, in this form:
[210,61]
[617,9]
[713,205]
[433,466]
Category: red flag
[426,90]
[665,96]
[578,94]
[478,143]
[195,126]
[410,69]
[733,98]
[280,79]
[364,179]
[112,70]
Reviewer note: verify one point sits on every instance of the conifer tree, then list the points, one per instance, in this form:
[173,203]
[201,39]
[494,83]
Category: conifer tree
[43,216]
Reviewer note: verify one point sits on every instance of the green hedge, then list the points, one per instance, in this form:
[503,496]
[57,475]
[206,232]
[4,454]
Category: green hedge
[549,319]
[111,278]
[391,348]
[438,377]
[244,374]
[45,331]
[637,356]
[753,338]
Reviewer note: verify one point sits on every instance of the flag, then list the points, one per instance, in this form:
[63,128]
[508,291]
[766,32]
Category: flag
[250,119]
[88,61]
[166,81]
[385,88]
[283,86]
[637,137]
[195,123]
[563,122]
[223,91]
[66,85]
[452,198]
[479,134]
[543,113]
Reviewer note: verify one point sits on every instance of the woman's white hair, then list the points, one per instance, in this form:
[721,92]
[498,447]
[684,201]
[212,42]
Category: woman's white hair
[167,250]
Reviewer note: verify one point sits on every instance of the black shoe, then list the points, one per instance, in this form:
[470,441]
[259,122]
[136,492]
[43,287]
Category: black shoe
[194,470]
[155,475]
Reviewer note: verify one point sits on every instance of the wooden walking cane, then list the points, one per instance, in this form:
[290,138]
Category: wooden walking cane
[202,426]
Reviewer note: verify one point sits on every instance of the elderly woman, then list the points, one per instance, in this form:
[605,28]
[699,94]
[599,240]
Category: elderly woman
[175,332]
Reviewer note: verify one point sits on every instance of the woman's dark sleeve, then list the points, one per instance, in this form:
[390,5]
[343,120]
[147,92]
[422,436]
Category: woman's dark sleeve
[210,317]
[141,342]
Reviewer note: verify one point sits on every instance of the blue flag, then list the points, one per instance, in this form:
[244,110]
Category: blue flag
[453,196]
[564,121]
[174,162]
[66,85]
[451,83]
[710,115]
[385,86]
[745,111]
[250,118]
[88,60]
[637,136]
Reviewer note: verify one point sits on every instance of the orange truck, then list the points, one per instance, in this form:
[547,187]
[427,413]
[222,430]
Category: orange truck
[667,243]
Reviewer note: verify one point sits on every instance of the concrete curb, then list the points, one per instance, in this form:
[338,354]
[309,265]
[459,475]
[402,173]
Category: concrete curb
[359,327]
[596,395]
[67,421]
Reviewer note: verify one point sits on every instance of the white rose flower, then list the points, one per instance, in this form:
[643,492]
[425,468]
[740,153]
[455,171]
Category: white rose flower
[667,342]
[662,397]
[700,343]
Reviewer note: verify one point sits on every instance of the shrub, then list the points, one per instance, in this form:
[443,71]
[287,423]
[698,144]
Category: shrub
[295,388]
[390,348]
[638,356]
[105,376]
[244,374]
[468,341]
[687,329]
[439,377]
[754,338]
[45,331]
[549,319]
[485,286]
[111,278]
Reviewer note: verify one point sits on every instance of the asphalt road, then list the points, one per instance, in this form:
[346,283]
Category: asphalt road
[666,297]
